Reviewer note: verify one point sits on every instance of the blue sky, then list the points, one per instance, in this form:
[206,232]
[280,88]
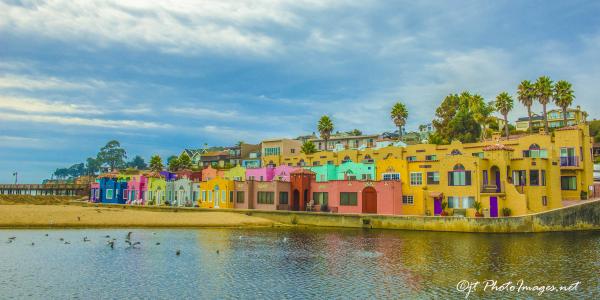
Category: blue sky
[163,75]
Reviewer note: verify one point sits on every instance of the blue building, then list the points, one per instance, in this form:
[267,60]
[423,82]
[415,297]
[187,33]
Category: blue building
[112,190]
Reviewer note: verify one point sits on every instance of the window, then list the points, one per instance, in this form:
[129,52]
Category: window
[224,196]
[330,162]
[459,177]
[535,151]
[543,177]
[366,176]
[453,202]
[321,198]
[316,163]
[292,150]
[346,159]
[411,158]
[283,198]
[520,177]
[568,183]
[272,151]
[408,200]
[109,194]
[416,178]
[230,196]
[431,157]
[433,177]
[455,152]
[467,202]
[544,201]
[348,199]
[250,177]
[478,154]
[534,177]
[265,197]
[391,176]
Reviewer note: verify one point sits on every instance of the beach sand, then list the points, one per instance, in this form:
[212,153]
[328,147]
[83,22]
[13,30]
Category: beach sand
[26,215]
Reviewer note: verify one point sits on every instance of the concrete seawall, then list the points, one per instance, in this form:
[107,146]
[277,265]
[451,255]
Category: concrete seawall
[585,216]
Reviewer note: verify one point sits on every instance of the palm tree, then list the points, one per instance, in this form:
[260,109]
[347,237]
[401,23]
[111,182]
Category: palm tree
[482,112]
[563,97]
[543,93]
[504,104]
[526,95]
[399,114]
[325,127]
[156,164]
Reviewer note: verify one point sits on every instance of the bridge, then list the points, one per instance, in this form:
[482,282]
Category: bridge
[48,189]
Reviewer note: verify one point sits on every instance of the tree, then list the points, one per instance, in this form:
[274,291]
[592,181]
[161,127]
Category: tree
[563,97]
[325,127]
[399,114]
[308,148]
[543,93]
[92,166]
[156,164]
[61,173]
[481,111]
[526,95]
[185,162]
[137,163]
[173,163]
[354,132]
[113,155]
[76,170]
[455,120]
[504,104]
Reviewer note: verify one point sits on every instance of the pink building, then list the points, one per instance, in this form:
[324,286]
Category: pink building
[209,173]
[357,197]
[264,195]
[282,172]
[260,174]
[137,186]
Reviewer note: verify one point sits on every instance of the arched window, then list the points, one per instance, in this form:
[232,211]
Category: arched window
[534,147]
[459,167]
[459,176]
[455,152]
[535,151]
[346,159]
[367,156]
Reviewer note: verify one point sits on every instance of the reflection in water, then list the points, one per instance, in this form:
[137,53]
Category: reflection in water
[290,263]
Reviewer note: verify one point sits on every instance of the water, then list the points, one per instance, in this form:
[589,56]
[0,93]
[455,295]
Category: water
[291,264]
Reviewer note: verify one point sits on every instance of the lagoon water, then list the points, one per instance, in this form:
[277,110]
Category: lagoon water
[291,264]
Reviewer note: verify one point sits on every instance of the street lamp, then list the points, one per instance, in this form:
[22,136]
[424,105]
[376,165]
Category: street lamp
[16,174]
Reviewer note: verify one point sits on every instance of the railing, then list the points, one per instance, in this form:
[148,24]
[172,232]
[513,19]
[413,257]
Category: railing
[492,189]
[569,161]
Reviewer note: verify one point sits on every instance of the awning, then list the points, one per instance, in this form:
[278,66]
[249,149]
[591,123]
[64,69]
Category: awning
[436,194]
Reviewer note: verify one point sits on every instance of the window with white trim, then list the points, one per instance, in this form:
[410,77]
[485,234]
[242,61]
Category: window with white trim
[416,178]
[391,176]
[408,200]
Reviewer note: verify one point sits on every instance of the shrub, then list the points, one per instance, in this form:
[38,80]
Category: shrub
[584,195]
[506,212]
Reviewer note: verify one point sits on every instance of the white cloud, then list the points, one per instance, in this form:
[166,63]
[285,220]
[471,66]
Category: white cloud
[79,121]
[31,105]
[202,112]
[13,81]
[7,141]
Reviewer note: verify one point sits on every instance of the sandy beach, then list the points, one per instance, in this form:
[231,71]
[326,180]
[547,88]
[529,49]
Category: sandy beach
[27,215]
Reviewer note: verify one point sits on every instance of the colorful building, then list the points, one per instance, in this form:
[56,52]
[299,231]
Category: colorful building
[137,186]
[95,192]
[157,186]
[273,150]
[264,195]
[237,173]
[260,174]
[111,189]
[209,173]
[217,193]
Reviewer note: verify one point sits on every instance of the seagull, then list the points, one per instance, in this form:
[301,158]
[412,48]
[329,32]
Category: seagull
[61,239]
[32,244]
[178,252]
[157,243]
[128,242]
[107,236]
[67,243]
[85,239]
[129,235]
[217,251]
[135,244]
[12,237]
[111,244]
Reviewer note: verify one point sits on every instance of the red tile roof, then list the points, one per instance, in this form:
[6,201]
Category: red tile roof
[573,127]
[302,171]
[497,147]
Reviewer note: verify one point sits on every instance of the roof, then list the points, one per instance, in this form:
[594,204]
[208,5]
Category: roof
[573,127]
[497,147]
[533,118]
[112,174]
[302,171]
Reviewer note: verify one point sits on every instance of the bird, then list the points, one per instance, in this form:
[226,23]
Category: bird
[32,244]
[67,243]
[128,242]
[178,252]
[61,239]
[78,218]
[111,244]
[107,236]
[135,244]
[85,239]
[217,251]
[129,235]
[12,237]
[46,234]
[9,241]
[157,243]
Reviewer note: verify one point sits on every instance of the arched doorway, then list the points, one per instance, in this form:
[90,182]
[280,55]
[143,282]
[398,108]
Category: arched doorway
[495,177]
[369,200]
[296,200]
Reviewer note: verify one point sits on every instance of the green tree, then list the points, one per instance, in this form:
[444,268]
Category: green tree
[481,111]
[308,148]
[61,173]
[185,162]
[544,92]
[325,127]
[399,114]
[92,166]
[504,104]
[455,120]
[173,162]
[113,155]
[354,132]
[526,95]
[137,163]
[563,97]
[156,164]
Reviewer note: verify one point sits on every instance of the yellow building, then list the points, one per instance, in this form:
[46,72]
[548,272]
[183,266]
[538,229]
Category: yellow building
[575,116]
[216,193]
[529,174]
[273,150]
[237,173]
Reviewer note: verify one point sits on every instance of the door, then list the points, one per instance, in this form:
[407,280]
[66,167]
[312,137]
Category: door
[437,206]
[369,201]
[296,200]
[216,198]
[494,207]
[498,188]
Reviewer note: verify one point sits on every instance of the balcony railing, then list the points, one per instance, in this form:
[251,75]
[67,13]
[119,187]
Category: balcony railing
[569,161]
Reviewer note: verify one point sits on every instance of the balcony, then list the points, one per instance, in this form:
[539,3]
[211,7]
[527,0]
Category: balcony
[569,161]
[492,189]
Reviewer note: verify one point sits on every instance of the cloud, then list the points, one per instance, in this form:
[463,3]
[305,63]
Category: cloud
[12,81]
[87,122]
[7,141]
[202,112]
[31,105]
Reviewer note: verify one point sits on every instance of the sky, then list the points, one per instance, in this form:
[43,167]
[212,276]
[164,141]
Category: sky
[160,76]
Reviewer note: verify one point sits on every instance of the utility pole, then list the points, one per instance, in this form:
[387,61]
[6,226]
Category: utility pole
[16,174]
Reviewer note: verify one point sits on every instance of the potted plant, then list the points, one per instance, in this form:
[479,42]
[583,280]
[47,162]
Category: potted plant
[444,205]
[584,195]
[477,207]
[506,212]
